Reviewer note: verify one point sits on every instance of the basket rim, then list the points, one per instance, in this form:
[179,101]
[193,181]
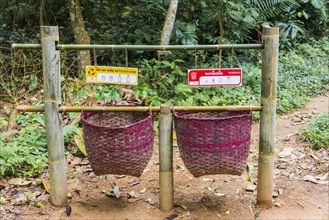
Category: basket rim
[180,115]
[83,114]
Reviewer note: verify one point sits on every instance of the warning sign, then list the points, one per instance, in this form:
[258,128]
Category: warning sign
[112,75]
[215,77]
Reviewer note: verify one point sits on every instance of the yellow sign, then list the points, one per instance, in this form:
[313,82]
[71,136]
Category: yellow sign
[112,75]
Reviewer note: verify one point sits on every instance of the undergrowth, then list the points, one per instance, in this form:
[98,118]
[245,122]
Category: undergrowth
[25,153]
[316,132]
[303,73]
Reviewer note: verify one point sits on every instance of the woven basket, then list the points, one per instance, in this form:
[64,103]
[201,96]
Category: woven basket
[118,142]
[214,142]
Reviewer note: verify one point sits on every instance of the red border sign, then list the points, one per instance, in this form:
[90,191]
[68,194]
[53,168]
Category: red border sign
[215,77]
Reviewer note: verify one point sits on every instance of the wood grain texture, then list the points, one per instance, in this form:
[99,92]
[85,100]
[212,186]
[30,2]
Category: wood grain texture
[270,59]
[166,158]
[53,120]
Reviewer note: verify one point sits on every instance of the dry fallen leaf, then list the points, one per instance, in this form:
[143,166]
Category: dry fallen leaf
[275,194]
[79,141]
[183,207]
[171,217]
[115,192]
[208,180]
[19,182]
[134,194]
[132,200]
[286,152]
[280,191]
[187,214]
[46,184]
[251,187]
[133,183]
[310,178]
[277,204]
[324,177]
[219,194]
[210,189]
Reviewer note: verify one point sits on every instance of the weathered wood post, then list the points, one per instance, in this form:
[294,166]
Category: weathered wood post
[270,58]
[53,120]
[166,159]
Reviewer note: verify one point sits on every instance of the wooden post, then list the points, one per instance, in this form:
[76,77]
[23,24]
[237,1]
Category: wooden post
[53,120]
[166,159]
[270,58]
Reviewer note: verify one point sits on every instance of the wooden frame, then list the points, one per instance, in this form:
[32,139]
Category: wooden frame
[52,109]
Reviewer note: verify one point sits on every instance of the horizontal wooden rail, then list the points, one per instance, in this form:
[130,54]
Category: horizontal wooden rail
[141,47]
[139,108]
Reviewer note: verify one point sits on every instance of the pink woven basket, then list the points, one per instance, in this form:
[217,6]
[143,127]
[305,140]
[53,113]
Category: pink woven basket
[118,142]
[214,142]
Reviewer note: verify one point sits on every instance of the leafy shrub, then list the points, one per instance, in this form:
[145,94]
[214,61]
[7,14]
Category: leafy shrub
[303,73]
[26,152]
[316,132]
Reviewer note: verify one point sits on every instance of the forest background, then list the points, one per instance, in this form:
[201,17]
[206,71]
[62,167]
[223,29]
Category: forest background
[303,62]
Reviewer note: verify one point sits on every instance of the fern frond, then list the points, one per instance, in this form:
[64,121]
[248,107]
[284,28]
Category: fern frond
[271,8]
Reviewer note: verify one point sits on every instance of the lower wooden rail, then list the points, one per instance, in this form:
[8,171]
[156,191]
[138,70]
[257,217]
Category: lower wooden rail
[139,108]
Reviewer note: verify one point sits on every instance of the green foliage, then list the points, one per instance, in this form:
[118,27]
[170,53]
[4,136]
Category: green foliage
[271,8]
[166,82]
[303,73]
[316,132]
[185,33]
[26,152]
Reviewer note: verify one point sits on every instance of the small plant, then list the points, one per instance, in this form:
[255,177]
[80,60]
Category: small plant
[26,152]
[2,200]
[316,132]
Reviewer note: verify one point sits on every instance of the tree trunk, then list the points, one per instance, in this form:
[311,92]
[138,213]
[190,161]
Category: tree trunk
[41,11]
[221,38]
[80,34]
[168,24]
[15,17]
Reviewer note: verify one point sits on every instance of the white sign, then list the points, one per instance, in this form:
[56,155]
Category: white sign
[215,77]
[112,75]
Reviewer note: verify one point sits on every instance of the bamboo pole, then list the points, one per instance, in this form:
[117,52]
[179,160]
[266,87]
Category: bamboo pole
[140,108]
[141,47]
[270,57]
[53,121]
[166,159]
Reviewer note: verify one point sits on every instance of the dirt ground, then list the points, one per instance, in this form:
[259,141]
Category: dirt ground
[300,192]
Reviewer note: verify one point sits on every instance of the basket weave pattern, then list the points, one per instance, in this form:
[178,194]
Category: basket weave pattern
[214,142]
[118,142]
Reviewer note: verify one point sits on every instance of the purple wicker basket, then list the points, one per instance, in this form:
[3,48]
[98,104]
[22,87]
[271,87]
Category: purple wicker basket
[214,142]
[118,142]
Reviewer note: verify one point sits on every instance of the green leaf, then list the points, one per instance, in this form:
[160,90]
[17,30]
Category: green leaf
[249,19]
[40,119]
[142,191]
[38,204]
[254,13]
[69,129]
